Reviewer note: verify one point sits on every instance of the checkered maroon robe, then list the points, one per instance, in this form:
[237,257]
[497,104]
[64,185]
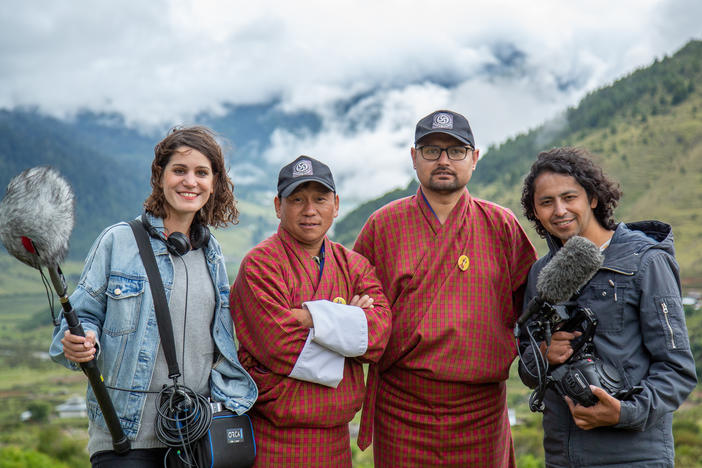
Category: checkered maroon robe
[437,396]
[298,423]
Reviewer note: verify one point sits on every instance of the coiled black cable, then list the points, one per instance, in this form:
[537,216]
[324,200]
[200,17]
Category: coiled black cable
[183,418]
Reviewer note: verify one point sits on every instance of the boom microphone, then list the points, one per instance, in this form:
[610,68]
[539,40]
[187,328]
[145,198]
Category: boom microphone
[36,217]
[569,269]
[36,220]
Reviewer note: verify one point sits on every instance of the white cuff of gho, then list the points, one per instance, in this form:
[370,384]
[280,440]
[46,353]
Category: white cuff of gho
[339,327]
[318,364]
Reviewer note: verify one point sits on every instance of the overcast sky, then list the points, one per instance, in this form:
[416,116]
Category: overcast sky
[507,65]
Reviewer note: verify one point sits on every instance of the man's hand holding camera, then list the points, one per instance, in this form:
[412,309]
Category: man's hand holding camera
[604,413]
[559,350]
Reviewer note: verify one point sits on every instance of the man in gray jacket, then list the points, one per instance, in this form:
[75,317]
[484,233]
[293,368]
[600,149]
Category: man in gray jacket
[641,331]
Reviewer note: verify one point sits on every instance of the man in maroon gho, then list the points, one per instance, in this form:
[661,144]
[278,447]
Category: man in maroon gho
[308,314]
[454,268]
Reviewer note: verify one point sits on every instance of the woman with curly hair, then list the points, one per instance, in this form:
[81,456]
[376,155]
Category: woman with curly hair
[190,191]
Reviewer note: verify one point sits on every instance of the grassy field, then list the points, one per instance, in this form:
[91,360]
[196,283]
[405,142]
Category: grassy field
[28,380]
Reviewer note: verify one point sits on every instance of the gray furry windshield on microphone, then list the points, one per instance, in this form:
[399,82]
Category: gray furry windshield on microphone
[38,207]
[573,265]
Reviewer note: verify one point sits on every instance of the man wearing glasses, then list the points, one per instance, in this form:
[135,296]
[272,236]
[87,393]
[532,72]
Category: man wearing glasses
[454,268]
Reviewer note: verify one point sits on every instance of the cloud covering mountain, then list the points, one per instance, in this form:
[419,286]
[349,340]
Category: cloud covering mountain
[366,70]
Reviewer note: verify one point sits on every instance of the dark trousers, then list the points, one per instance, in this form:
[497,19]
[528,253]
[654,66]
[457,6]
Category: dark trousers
[139,458]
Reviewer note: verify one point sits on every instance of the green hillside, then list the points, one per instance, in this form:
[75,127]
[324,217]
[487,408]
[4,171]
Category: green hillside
[107,182]
[645,129]
[347,228]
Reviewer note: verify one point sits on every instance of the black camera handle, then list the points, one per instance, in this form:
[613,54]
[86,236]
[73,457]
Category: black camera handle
[585,321]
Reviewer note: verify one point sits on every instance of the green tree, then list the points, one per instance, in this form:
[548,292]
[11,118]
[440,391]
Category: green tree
[40,410]
[56,444]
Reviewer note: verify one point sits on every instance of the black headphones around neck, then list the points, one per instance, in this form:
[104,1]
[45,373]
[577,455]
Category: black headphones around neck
[178,243]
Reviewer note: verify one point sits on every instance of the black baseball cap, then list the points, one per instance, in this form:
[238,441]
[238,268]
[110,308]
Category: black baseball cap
[445,121]
[303,169]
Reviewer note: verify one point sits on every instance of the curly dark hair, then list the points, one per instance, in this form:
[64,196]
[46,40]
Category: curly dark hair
[575,162]
[220,209]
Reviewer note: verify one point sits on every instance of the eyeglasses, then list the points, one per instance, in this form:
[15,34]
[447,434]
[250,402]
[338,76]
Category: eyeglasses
[454,153]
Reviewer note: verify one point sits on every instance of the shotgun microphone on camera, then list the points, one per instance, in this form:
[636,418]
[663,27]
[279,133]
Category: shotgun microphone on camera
[570,268]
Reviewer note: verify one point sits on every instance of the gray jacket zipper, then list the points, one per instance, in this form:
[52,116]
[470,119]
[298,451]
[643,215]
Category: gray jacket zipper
[667,322]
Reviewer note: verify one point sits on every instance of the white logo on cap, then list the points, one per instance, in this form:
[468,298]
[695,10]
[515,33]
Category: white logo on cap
[442,120]
[303,167]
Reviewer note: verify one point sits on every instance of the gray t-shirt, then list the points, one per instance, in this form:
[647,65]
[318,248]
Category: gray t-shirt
[191,283]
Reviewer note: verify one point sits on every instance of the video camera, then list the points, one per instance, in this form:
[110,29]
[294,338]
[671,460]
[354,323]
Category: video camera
[584,367]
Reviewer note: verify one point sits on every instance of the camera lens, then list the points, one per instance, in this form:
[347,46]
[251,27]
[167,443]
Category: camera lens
[610,378]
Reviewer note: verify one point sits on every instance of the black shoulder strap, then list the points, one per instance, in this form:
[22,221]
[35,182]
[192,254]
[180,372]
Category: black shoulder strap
[163,317]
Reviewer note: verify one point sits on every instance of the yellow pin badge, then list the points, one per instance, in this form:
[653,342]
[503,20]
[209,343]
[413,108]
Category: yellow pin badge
[339,300]
[463,262]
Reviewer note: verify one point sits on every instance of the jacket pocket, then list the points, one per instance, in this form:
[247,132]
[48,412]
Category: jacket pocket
[124,297]
[607,301]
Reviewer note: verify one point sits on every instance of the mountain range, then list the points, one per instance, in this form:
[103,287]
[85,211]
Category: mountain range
[645,129]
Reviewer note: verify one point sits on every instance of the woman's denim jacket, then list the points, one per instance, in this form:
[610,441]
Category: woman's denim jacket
[113,299]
